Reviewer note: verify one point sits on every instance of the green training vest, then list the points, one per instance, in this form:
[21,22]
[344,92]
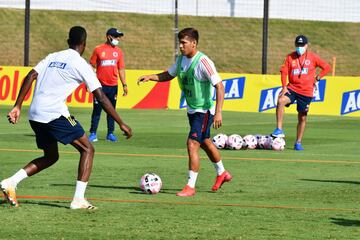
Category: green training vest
[198,94]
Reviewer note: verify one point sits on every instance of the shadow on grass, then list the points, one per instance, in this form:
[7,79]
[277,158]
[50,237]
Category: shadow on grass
[45,203]
[29,135]
[96,186]
[40,203]
[345,222]
[134,190]
[163,191]
[331,181]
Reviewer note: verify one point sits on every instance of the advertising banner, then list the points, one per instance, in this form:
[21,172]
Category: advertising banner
[337,96]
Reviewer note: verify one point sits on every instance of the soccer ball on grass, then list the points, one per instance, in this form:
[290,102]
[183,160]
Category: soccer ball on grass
[250,141]
[150,183]
[234,142]
[278,144]
[265,142]
[219,140]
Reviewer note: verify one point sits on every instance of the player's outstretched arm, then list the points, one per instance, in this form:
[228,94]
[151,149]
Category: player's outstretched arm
[160,77]
[109,109]
[14,115]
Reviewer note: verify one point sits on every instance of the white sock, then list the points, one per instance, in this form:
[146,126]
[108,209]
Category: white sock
[192,178]
[80,190]
[18,177]
[219,167]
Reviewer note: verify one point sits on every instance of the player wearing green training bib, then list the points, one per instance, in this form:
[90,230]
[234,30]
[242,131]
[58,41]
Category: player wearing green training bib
[197,77]
[196,92]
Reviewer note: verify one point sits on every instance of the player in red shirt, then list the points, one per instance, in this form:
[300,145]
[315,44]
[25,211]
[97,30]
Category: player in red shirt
[299,69]
[108,59]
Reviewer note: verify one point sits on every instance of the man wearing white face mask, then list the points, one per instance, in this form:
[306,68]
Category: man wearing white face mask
[299,70]
[108,59]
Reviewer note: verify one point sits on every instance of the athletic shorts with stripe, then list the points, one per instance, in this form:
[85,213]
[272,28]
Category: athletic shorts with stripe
[200,125]
[63,129]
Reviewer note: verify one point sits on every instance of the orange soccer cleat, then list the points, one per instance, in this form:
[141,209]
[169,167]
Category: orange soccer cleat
[8,190]
[220,180]
[186,192]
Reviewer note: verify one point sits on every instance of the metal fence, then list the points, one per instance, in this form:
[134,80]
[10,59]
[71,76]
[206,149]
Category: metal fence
[264,50]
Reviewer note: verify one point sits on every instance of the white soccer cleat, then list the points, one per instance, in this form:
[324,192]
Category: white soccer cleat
[8,189]
[81,204]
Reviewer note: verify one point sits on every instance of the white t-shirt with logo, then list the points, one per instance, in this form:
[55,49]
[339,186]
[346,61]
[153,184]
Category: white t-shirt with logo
[59,74]
[204,71]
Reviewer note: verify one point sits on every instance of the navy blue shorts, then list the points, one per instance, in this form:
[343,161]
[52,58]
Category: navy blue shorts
[200,125]
[302,102]
[64,130]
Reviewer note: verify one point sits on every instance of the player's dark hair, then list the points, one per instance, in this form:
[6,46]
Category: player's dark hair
[191,33]
[77,35]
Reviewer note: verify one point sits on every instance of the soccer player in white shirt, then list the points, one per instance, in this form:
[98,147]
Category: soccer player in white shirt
[57,76]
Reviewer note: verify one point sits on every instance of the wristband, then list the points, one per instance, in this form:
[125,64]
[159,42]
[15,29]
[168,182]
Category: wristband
[125,85]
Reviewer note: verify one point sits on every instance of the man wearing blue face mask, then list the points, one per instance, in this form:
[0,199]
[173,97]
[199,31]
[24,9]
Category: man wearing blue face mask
[108,59]
[298,78]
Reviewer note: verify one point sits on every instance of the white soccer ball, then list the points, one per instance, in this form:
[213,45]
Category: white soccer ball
[259,139]
[268,142]
[235,142]
[278,144]
[150,183]
[264,142]
[250,141]
[220,140]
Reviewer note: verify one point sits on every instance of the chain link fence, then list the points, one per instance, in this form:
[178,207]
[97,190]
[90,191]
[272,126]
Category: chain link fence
[231,31]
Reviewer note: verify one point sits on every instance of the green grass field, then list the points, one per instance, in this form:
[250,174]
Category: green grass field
[312,194]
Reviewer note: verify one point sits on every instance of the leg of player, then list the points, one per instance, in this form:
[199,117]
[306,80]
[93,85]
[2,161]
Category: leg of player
[95,118]
[193,147]
[86,151]
[300,130]
[8,186]
[214,156]
[280,109]
[51,155]
[112,95]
